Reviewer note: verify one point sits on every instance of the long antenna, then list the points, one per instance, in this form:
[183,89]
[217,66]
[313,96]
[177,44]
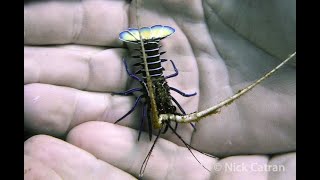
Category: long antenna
[197,116]
[146,160]
[154,111]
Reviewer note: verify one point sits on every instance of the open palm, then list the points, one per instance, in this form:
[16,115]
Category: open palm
[73,61]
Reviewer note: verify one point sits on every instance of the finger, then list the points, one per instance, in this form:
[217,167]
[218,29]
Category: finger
[288,161]
[241,167]
[68,161]
[80,67]
[256,167]
[118,146]
[34,169]
[79,22]
[54,110]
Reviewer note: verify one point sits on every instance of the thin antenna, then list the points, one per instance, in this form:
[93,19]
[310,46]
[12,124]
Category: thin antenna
[146,160]
[197,116]
[190,147]
[154,111]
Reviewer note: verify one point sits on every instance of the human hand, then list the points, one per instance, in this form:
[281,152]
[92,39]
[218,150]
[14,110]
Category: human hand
[218,48]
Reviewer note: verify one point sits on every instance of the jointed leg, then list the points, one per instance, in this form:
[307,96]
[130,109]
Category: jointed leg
[131,74]
[179,106]
[174,74]
[164,60]
[144,116]
[131,110]
[149,126]
[175,126]
[128,92]
[165,129]
[182,93]
[190,147]
[145,162]
[183,112]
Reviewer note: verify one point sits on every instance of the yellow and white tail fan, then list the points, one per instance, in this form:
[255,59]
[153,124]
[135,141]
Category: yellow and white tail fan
[156,32]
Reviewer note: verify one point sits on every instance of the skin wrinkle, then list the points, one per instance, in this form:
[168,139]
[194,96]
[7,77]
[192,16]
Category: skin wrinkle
[53,171]
[130,168]
[43,164]
[92,59]
[172,161]
[105,113]
[282,159]
[39,70]
[190,47]
[272,126]
[47,147]
[75,105]
[232,65]
[191,13]
[90,67]
[123,73]
[172,154]
[266,69]
[235,32]
[77,29]
[200,49]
